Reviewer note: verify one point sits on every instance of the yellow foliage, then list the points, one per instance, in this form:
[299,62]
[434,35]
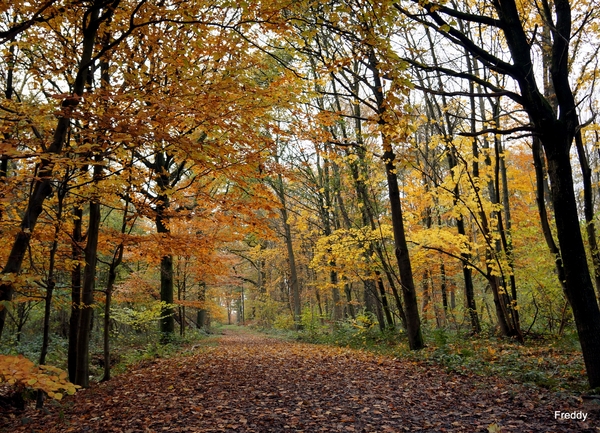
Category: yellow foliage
[347,251]
[21,373]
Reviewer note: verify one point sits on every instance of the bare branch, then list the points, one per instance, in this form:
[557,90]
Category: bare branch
[498,131]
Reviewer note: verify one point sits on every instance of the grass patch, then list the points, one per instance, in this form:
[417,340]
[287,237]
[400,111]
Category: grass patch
[553,363]
[550,362]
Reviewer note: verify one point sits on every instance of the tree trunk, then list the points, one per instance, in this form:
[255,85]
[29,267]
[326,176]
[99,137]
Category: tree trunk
[50,285]
[87,300]
[338,309]
[465,256]
[452,159]
[504,230]
[413,322]
[348,292]
[588,208]
[75,291]
[167,315]
[540,181]
[444,290]
[112,277]
[86,307]
[426,298]
[579,286]
[106,323]
[294,283]
[372,303]
[50,281]
[409,293]
[168,174]
[167,319]
[201,315]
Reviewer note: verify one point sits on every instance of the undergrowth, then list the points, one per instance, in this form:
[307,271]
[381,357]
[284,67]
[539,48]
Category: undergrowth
[133,353]
[126,350]
[551,362]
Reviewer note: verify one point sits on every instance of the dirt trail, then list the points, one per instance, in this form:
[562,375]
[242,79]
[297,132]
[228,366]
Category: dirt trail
[250,383]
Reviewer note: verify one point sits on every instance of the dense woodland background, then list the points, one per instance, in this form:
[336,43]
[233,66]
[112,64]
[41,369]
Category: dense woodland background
[406,169]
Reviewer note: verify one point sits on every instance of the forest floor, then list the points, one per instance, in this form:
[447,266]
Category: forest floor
[244,382]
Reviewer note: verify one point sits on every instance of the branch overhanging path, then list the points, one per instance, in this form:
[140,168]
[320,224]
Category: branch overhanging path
[250,383]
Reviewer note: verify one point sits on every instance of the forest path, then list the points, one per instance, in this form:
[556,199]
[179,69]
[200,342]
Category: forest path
[252,383]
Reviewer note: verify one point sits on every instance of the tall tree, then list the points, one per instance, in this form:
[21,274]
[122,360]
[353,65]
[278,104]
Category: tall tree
[556,128]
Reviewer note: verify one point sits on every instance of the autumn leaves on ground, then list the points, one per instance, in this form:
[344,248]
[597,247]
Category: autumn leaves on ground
[250,383]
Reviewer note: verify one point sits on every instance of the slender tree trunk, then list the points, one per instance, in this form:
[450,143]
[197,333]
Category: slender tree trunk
[112,277]
[425,300]
[348,293]
[413,322]
[338,309]
[326,204]
[540,181]
[384,304]
[372,302]
[50,285]
[8,93]
[319,306]
[452,159]
[75,291]
[87,300]
[444,290]
[294,283]
[505,308]
[50,281]
[359,172]
[181,309]
[82,366]
[201,315]
[167,319]
[505,235]
[465,256]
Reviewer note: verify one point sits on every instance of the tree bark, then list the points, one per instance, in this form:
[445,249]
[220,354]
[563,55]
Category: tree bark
[588,208]
[168,174]
[112,277]
[580,290]
[86,307]
[202,313]
[293,283]
[167,316]
[75,291]
[540,181]
[413,322]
